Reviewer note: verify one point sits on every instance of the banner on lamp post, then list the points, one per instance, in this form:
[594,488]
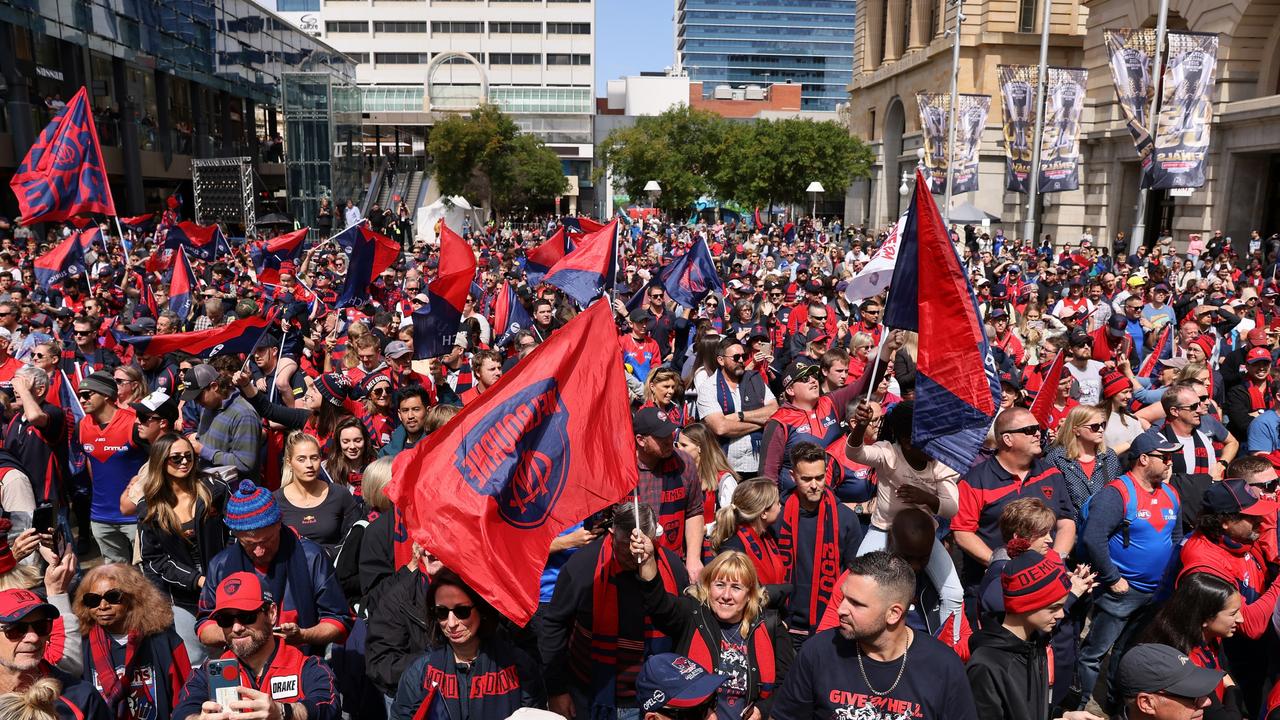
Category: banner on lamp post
[1060,140]
[1017,95]
[1132,59]
[1186,108]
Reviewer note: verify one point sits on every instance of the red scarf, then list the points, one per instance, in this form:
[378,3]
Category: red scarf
[1257,399]
[770,564]
[607,648]
[826,550]
[115,687]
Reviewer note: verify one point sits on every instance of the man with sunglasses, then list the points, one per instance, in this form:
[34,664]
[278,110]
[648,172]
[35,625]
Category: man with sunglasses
[277,681]
[1196,463]
[1017,470]
[735,404]
[26,623]
[1131,532]
[114,456]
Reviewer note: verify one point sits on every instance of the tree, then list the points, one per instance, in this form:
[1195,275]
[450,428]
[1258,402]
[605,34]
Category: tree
[485,156]
[681,149]
[775,160]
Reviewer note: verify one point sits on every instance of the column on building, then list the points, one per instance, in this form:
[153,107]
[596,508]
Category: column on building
[873,42]
[130,147]
[893,41]
[921,33]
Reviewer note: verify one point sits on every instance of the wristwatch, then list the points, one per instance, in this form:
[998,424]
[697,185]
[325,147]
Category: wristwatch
[286,711]
[741,417]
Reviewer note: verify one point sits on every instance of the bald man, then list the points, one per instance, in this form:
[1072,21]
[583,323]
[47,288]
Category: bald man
[1017,470]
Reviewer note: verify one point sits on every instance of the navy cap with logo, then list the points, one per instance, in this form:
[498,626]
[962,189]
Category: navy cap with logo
[640,315]
[1232,497]
[652,421]
[1150,442]
[800,369]
[1117,326]
[674,682]
[1156,668]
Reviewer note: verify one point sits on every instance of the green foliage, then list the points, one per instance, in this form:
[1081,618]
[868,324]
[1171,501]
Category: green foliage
[776,160]
[692,153]
[484,156]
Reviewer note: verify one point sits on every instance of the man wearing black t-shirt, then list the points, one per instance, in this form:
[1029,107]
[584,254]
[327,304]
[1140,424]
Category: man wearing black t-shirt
[874,666]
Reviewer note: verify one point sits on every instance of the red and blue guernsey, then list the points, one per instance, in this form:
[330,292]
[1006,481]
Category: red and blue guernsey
[114,459]
[639,355]
[290,678]
[931,294]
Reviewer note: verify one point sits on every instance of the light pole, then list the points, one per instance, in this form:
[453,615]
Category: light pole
[1033,179]
[653,190]
[955,101]
[905,188]
[815,189]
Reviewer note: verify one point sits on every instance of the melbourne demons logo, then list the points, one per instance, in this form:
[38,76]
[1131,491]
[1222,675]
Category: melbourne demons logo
[519,454]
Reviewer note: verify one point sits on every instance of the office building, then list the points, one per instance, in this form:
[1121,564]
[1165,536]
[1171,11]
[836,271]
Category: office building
[727,44]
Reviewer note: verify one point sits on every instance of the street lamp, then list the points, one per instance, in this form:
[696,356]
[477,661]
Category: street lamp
[920,159]
[815,189]
[905,188]
[653,190]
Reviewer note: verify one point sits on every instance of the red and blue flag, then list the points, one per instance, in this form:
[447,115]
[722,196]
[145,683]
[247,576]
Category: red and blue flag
[238,337]
[138,223]
[436,324]
[535,454]
[203,242]
[1150,367]
[957,385]
[692,276]
[368,254]
[63,173]
[146,297]
[267,257]
[65,259]
[182,286]
[1042,406]
[591,269]
[509,316]
[581,225]
[541,259]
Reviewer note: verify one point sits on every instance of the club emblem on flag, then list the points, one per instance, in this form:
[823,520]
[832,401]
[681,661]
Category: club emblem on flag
[518,454]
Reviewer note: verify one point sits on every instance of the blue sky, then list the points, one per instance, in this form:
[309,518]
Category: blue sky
[631,36]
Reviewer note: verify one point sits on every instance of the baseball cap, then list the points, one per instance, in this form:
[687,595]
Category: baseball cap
[397,349]
[653,422]
[1153,668]
[1079,338]
[196,380]
[1232,497]
[157,404]
[1176,363]
[801,369]
[1137,281]
[1149,442]
[640,315]
[1257,337]
[674,682]
[1270,291]
[142,325]
[240,591]
[17,603]
[1162,287]
[1117,325]
[1258,354]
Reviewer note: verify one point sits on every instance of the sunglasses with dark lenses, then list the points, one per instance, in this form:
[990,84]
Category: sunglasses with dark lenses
[736,357]
[93,600]
[15,631]
[379,391]
[1096,427]
[226,620]
[181,458]
[441,613]
[1167,457]
[1028,430]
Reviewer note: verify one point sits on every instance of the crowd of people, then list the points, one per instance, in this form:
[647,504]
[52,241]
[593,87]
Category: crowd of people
[211,538]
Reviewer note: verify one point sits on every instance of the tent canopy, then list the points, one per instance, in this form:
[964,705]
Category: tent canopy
[966,214]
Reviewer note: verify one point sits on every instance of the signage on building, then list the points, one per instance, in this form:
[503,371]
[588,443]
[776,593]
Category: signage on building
[50,73]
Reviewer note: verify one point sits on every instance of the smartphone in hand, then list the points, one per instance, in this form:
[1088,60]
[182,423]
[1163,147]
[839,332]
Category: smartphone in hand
[224,681]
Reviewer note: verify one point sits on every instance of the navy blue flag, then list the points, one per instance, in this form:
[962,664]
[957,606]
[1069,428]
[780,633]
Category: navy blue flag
[368,254]
[691,276]
[63,174]
[436,324]
[64,260]
[509,316]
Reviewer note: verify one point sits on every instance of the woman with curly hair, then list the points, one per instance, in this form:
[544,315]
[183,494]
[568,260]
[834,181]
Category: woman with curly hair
[132,654]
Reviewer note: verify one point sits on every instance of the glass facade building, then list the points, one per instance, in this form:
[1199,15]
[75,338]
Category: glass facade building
[761,42]
[170,80]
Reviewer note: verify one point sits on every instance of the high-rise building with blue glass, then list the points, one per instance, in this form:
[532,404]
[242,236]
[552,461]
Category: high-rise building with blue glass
[760,42]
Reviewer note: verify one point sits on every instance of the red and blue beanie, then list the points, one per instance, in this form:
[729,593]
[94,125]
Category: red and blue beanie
[251,508]
[335,388]
[1033,581]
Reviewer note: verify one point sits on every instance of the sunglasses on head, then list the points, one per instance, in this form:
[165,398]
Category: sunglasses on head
[93,600]
[227,619]
[15,631]
[462,612]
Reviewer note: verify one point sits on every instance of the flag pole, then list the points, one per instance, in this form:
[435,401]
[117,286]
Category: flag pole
[875,364]
[275,374]
[955,102]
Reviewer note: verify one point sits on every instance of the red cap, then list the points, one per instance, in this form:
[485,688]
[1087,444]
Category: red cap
[1258,354]
[1257,337]
[240,591]
[16,604]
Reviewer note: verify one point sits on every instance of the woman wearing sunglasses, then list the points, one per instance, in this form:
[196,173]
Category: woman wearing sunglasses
[1081,454]
[126,624]
[379,416]
[180,529]
[465,647]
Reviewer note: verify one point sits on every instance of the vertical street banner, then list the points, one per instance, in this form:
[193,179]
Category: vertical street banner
[1132,57]
[934,108]
[971,119]
[1018,98]
[1186,107]
[1060,140]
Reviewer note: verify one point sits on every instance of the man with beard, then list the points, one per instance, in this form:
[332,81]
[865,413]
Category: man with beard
[1195,463]
[26,622]
[735,405]
[277,681]
[874,665]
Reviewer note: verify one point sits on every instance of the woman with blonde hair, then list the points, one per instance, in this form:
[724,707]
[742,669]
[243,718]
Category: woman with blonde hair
[721,622]
[39,701]
[132,387]
[126,622]
[317,510]
[746,525]
[1081,454]
[661,389]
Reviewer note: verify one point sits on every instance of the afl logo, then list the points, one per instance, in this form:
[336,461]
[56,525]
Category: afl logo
[231,587]
[518,454]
